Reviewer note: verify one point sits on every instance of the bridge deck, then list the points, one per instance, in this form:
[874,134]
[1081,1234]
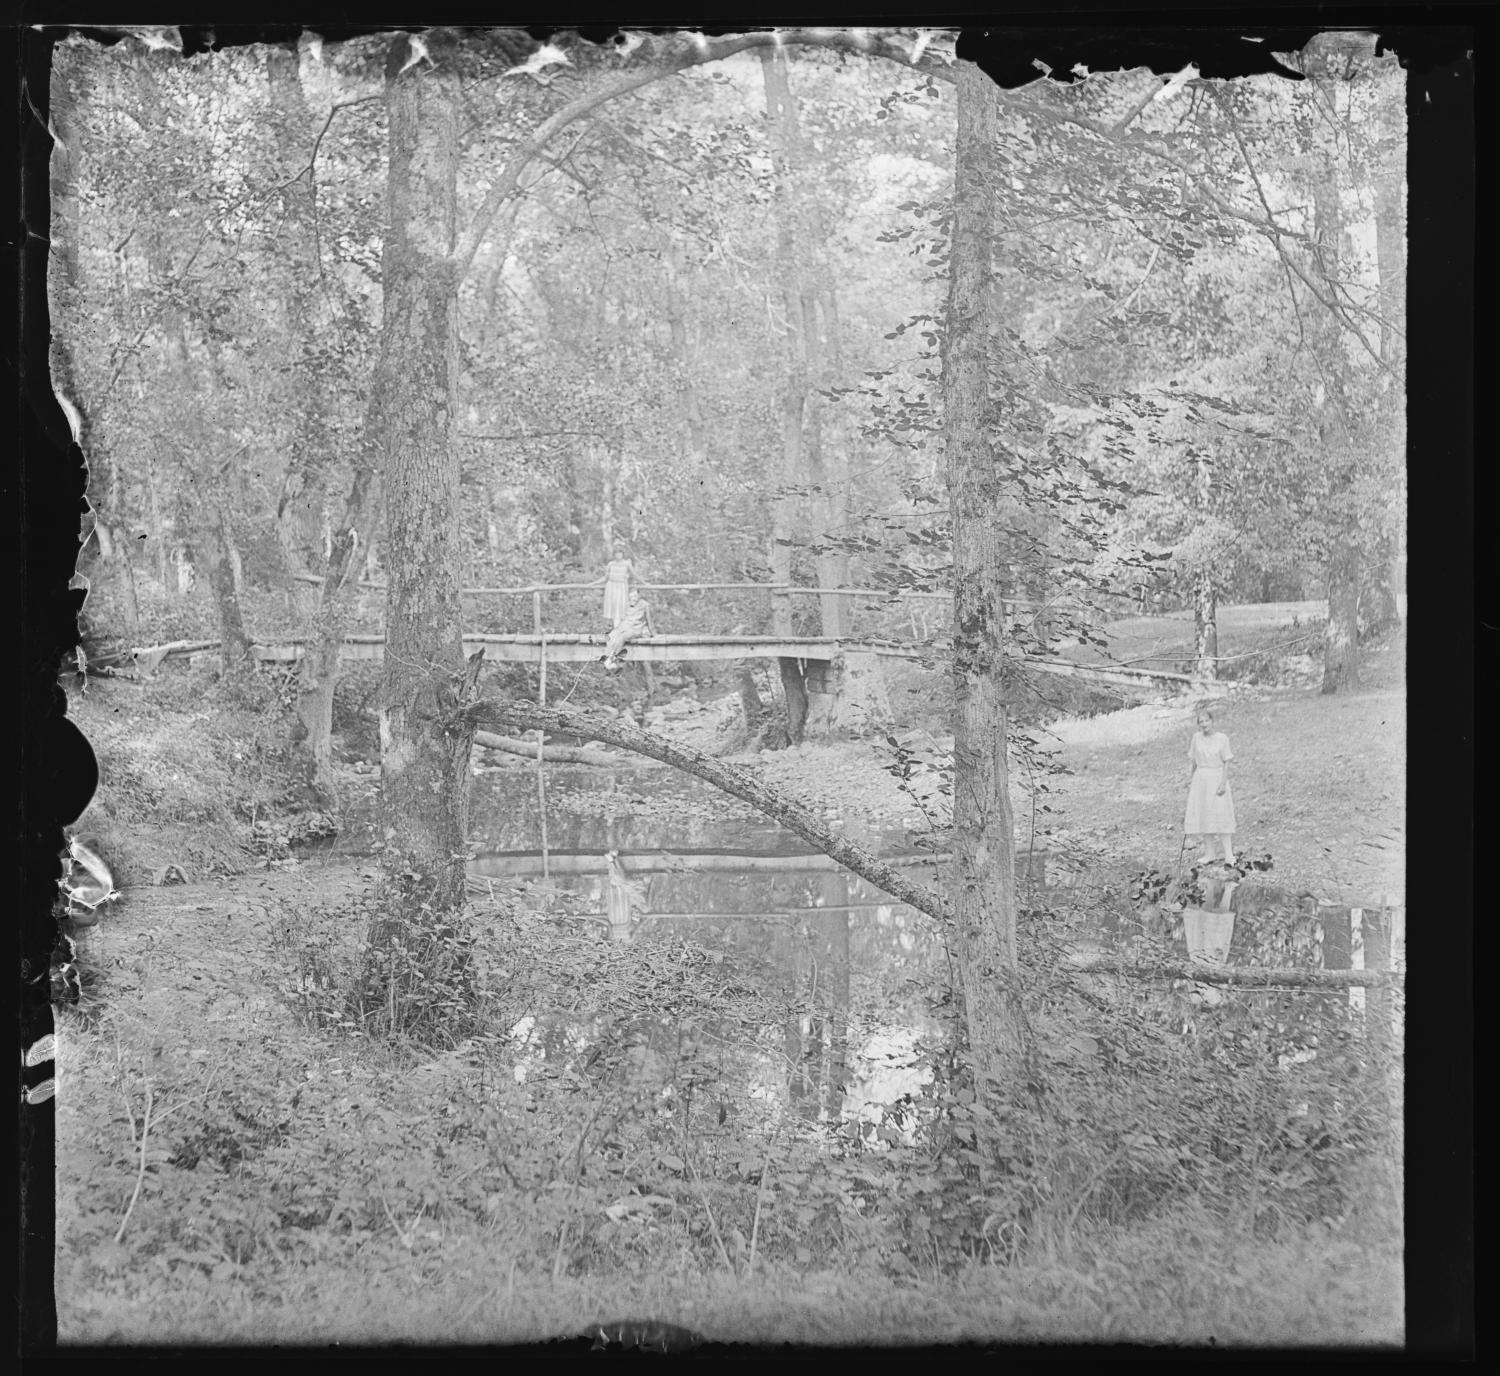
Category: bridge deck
[576,648]
[580,647]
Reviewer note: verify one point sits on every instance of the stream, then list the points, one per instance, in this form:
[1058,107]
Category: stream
[648,853]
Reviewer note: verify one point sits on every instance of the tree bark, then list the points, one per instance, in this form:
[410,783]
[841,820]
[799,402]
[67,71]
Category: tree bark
[741,783]
[984,896]
[424,752]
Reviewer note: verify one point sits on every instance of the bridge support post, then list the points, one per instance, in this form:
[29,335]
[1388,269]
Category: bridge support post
[847,695]
[794,687]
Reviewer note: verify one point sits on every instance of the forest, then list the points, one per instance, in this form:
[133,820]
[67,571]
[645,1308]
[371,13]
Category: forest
[643,605]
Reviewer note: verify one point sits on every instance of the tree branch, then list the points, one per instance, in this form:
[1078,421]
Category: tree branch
[562,754]
[659,60]
[732,779]
[1245,976]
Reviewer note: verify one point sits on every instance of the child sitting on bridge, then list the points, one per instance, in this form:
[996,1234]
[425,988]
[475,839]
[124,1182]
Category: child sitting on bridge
[635,623]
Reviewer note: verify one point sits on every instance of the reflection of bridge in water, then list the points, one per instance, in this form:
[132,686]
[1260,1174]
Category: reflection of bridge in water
[521,863]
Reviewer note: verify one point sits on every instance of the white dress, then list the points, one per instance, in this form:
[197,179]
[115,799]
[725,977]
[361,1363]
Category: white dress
[1208,814]
[617,590]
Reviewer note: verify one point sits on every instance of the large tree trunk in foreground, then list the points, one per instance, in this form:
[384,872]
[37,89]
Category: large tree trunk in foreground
[418,975]
[984,891]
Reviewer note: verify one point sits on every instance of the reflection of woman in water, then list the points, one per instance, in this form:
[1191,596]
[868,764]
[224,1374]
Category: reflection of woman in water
[1210,804]
[618,576]
[625,895]
[635,623]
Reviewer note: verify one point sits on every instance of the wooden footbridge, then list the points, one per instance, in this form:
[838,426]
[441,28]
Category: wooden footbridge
[581,647]
[542,647]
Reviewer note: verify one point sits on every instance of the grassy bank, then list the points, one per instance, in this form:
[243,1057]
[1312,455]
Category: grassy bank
[237,1163]
[233,1166]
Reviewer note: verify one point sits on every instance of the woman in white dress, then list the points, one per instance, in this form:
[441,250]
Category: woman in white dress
[1210,804]
[619,574]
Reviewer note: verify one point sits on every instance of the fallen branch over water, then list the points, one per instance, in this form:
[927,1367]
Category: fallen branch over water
[555,754]
[1246,976]
[732,779]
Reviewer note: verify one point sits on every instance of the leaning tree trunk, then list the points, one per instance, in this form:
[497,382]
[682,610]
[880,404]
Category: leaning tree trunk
[516,715]
[741,783]
[984,894]
[419,955]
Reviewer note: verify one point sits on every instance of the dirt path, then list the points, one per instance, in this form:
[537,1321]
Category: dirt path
[1319,782]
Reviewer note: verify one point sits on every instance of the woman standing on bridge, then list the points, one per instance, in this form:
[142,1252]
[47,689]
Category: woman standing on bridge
[1210,804]
[619,574]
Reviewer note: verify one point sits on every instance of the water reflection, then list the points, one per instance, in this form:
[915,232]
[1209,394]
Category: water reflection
[652,853]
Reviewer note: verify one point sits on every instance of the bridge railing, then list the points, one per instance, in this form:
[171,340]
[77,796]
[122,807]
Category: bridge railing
[711,607]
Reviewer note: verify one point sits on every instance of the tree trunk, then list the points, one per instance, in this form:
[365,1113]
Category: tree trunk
[301,514]
[1205,626]
[1341,633]
[694,436]
[833,566]
[794,689]
[752,709]
[831,930]
[235,643]
[418,966]
[984,897]
[1390,260]
[299,510]
[130,608]
[516,716]
[781,122]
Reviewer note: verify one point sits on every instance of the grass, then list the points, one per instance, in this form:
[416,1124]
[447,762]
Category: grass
[300,1186]
[466,1290]
[1319,782]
